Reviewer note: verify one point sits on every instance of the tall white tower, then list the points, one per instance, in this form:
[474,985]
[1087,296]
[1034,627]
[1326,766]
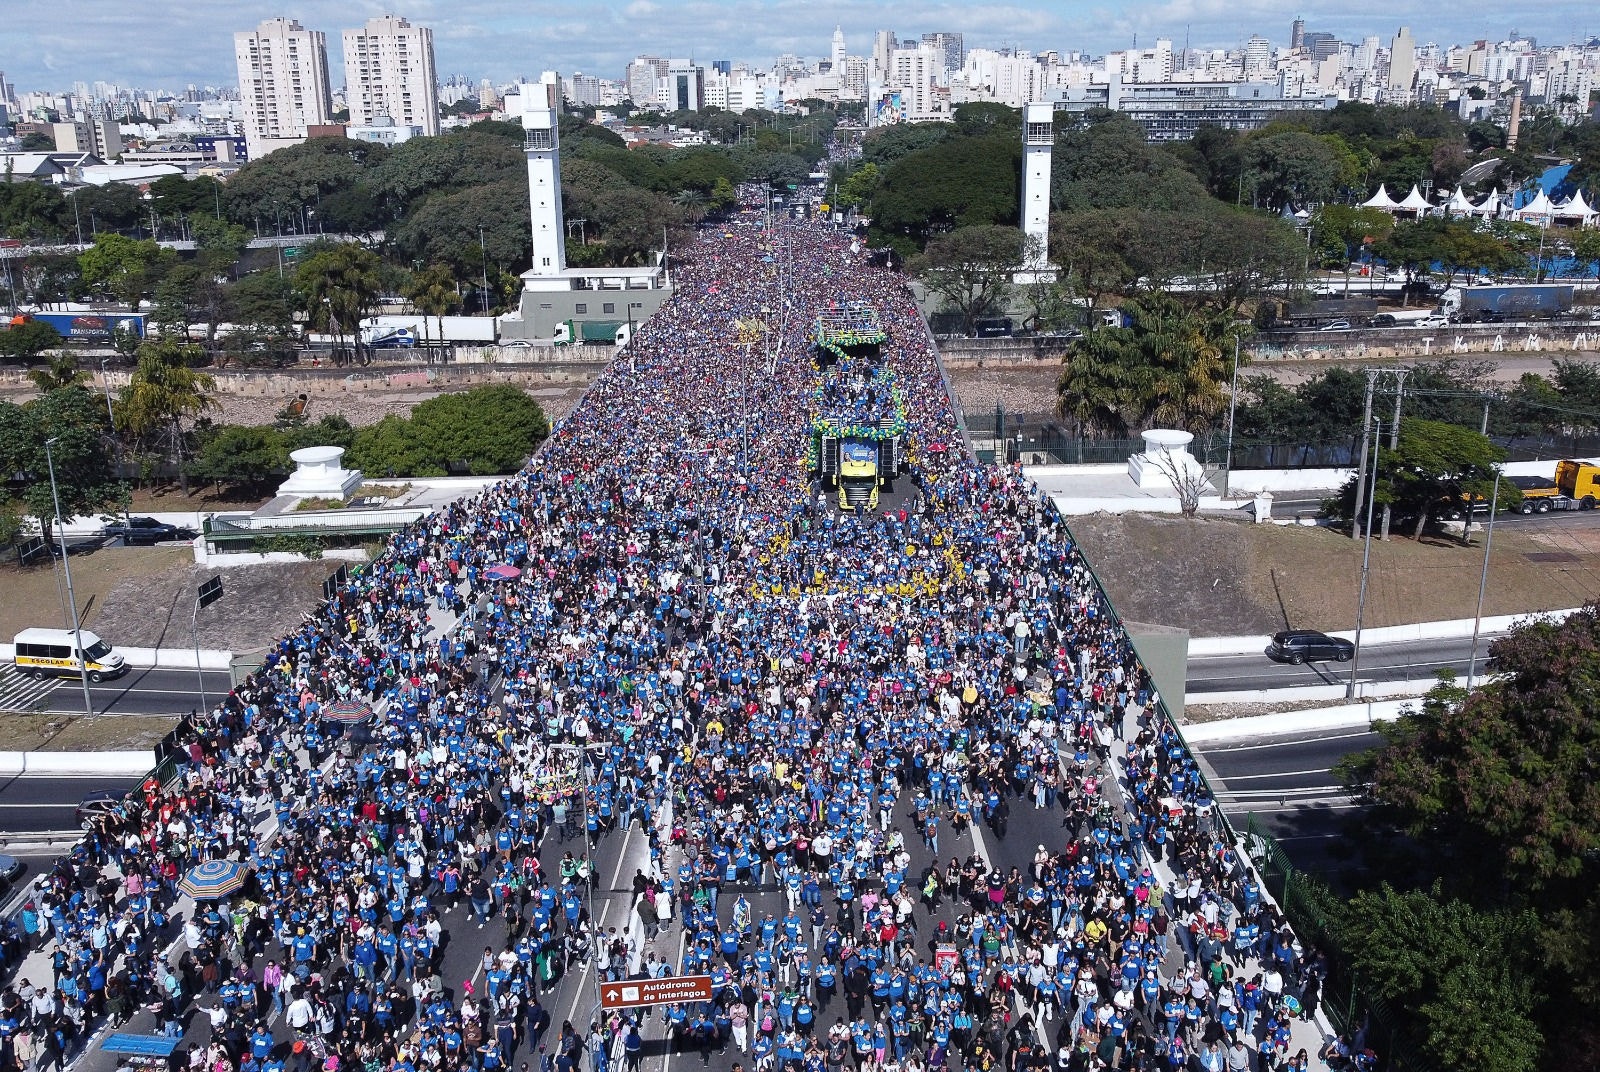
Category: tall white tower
[541,115]
[1038,139]
[837,54]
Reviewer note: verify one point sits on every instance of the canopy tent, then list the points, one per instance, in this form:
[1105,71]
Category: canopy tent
[1381,200]
[1576,209]
[1414,202]
[1489,206]
[1539,210]
[1458,205]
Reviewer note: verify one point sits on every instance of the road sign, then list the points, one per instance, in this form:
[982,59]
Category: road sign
[291,251]
[637,992]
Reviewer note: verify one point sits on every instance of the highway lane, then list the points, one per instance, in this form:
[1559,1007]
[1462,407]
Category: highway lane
[1416,660]
[37,803]
[1287,782]
[138,692]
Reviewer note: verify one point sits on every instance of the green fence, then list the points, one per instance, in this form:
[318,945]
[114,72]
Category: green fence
[1308,904]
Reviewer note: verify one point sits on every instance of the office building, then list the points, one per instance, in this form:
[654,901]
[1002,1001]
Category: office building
[641,78]
[1176,110]
[953,46]
[1402,66]
[283,81]
[389,74]
[102,137]
[683,89]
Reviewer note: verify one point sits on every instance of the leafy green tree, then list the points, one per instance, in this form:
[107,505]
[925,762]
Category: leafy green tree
[971,268]
[1297,168]
[961,182]
[26,341]
[218,243]
[1586,248]
[1169,368]
[123,267]
[340,287]
[58,372]
[446,227]
[270,195]
[113,207]
[34,211]
[250,456]
[76,419]
[1470,977]
[487,430]
[390,448]
[165,388]
[862,183]
[1350,227]
[1436,467]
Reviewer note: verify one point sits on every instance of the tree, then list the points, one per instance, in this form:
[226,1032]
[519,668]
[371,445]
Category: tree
[164,389]
[58,372]
[1169,368]
[487,430]
[971,269]
[433,292]
[1296,168]
[340,286]
[859,187]
[121,266]
[26,341]
[241,454]
[1469,977]
[76,420]
[1436,467]
[1586,249]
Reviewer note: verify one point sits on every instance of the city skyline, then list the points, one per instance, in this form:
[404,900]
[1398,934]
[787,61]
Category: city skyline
[503,40]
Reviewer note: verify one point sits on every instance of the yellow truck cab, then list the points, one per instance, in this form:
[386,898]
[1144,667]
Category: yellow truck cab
[41,652]
[1579,481]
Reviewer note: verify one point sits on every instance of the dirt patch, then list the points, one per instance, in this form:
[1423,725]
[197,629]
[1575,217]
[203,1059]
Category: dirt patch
[141,597]
[1226,578]
[1194,714]
[27,732]
[1029,389]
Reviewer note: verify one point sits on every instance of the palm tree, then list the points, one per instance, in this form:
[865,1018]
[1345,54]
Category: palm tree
[693,203]
[1167,369]
[164,389]
[58,372]
[432,292]
[340,286]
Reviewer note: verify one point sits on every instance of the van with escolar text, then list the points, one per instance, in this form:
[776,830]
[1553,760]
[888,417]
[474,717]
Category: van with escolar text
[43,652]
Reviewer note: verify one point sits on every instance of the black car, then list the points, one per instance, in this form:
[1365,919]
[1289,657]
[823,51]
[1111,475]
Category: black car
[1307,645]
[100,802]
[135,530]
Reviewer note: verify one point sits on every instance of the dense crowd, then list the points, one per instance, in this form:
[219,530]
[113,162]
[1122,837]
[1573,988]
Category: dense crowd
[843,709]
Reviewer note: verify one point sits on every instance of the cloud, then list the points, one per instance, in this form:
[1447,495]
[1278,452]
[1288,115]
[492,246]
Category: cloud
[49,46]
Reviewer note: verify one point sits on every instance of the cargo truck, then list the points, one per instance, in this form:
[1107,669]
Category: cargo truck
[1492,304]
[96,329]
[615,332]
[1576,487]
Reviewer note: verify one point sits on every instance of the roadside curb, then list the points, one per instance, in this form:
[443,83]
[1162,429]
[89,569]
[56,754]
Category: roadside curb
[1366,690]
[1354,716]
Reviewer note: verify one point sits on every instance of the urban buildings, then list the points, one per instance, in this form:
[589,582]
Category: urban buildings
[389,74]
[283,82]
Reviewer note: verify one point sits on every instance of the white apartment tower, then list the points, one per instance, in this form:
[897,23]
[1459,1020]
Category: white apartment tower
[283,80]
[541,115]
[837,54]
[1038,139]
[1402,66]
[389,72]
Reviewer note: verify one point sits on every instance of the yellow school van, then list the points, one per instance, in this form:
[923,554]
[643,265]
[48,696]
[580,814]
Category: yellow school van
[40,652]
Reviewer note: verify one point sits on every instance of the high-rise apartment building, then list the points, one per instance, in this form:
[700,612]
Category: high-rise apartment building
[389,73]
[102,137]
[954,46]
[641,79]
[1402,65]
[283,81]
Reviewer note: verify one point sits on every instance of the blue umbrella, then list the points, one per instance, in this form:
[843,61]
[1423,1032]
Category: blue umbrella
[213,879]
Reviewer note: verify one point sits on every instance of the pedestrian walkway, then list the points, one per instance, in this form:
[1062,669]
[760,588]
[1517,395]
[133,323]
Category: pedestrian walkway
[21,693]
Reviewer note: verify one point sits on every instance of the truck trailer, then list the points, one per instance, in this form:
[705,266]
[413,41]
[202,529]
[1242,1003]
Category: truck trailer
[1492,304]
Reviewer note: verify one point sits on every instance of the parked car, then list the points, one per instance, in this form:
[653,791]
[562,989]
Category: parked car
[1307,645]
[11,868]
[146,530]
[100,802]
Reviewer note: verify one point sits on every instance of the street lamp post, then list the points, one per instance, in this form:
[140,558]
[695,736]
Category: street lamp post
[1366,562]
[66,566]
[483,263]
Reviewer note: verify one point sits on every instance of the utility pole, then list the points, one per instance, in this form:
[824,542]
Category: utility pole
[1233,403]
[1361,466]
[1366,564]
[66,567]
[1394,432]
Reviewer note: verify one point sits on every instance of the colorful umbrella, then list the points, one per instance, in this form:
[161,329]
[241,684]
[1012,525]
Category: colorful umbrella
[502,572]
[347,711]
[213,879]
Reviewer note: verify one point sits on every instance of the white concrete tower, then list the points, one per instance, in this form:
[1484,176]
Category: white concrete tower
[541,116]
[1038,139]
[837,54]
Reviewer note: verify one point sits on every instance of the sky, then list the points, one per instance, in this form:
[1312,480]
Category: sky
[50,44]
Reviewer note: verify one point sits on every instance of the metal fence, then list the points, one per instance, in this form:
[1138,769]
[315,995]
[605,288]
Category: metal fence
[1309,904]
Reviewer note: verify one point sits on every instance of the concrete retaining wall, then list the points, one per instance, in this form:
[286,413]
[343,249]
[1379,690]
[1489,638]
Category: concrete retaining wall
[121,764]
[1348,717]
[233,559]
[154,658]
[1392,634]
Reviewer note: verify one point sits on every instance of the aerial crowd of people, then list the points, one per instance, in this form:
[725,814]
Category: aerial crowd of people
[823,733]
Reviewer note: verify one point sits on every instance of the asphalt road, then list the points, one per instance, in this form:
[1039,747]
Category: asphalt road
[138,692]
[38,804]
[1287,783]
[1408,661]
